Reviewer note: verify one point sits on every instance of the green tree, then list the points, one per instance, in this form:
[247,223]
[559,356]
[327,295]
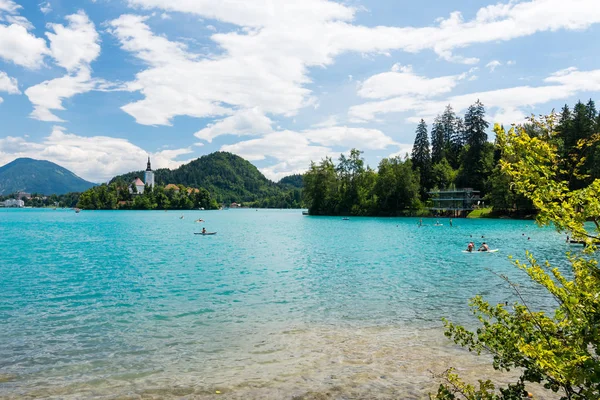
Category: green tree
[476,164]
[397,186]
[321,187]
[443,174]
[560,350]
[438,142]
[421,158]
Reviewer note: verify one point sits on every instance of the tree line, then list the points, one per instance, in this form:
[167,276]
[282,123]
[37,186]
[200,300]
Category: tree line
[456,153]
[121,195]
[67,200]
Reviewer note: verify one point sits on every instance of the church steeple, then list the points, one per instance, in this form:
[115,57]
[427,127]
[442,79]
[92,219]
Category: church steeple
[149,167]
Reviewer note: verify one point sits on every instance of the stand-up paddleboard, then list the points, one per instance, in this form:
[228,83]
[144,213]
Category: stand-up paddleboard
[205,234]
[475,251]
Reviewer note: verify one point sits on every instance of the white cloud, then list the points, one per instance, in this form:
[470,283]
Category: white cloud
[76,45]
[211,28]
[403,150]
[8,84]
[243,122]
[266,63]
[292,150]
[369,139]
[17,44]
[49,95]
[332,120]
[96,158]
[510,101]
[9,7]
[401,80]
[511,62]
[165,16]
[45,7]
[492,65]
[73,47]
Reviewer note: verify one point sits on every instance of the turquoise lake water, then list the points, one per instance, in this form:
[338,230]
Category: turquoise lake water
[132,304]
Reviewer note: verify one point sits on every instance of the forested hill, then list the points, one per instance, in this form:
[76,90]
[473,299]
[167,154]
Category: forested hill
[292,181]
[226,176]
[39,176]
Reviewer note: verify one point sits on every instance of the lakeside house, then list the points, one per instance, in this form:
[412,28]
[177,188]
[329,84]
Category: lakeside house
[173,187]
[13,203]
[457,202]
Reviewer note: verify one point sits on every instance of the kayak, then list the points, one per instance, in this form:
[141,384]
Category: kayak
[205,234]
[474,251]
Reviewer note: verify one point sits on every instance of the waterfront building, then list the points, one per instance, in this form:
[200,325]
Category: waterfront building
[457,202]
[148,180]
[149,175]
[14,203]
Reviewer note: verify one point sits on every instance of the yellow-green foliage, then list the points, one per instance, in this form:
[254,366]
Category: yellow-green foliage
[560,349]
[480,213]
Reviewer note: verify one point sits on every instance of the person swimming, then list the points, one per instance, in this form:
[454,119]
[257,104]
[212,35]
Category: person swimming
[470,247]
[484,247]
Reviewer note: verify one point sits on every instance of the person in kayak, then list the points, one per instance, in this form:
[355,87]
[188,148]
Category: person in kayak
[484,247]
[203,231]
[470,247]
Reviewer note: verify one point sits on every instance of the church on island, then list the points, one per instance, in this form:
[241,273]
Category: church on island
[148,180]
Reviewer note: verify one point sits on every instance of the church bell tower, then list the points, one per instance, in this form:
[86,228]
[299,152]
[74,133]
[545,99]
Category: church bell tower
[149,175]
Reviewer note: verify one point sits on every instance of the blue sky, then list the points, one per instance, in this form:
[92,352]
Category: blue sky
[97,85]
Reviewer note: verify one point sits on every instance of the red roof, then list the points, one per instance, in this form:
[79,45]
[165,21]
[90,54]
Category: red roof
[138,182]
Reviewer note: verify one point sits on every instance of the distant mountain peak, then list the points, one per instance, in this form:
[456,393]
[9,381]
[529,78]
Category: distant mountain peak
[39,176]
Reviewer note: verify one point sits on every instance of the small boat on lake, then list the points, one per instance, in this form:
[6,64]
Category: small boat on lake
[205,233]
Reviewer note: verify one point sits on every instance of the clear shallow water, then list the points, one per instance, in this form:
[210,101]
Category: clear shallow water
[133,305]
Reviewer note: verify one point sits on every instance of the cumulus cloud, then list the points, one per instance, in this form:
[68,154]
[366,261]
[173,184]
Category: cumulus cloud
[293,151]
[266,64]
[509,101]
[368,139]
[8,84]
[96,158]
[76,45]
[244,122]
[17,44]
[332,120]
[73,47]
[402,80]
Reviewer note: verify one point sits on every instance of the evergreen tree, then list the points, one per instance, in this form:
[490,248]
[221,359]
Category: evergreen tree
[437,141]
[475,164]
[421,157]
[452,136]
[476,125]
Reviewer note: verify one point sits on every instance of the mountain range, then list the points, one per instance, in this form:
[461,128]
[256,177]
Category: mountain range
[39,176]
